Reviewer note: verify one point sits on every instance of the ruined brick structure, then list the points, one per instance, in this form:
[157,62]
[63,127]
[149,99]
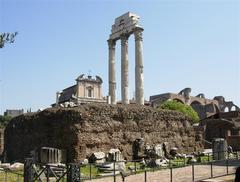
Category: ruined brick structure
[97,127]
[203,106]
[223,125]
[13,112]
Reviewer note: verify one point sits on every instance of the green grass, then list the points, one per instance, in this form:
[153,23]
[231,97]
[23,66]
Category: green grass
[9,176]
[132,165]
[12,177]
[139,168]
[182,162]
[206,158]
[178,162]
[85,171]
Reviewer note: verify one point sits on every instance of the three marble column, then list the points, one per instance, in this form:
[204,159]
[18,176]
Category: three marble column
[139,92]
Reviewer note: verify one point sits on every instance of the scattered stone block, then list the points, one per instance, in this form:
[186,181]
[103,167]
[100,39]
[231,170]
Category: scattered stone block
[5,165]
[220,149]
[166,149]
[17,166]
[158,149]
[114,155]
[98,157]
[174,151]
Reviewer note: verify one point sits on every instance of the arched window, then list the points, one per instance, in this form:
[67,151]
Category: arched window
[233,108]
[226,109]
[89,91]
[195,103]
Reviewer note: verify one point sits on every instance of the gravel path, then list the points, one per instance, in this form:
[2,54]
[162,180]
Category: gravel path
[183,174]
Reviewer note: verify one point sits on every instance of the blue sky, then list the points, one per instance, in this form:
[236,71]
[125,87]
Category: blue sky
[186,44]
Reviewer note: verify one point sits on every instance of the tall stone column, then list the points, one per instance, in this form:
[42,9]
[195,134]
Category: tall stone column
[57,97]
[124,68]
[112,71]
[58,94]
[139,90]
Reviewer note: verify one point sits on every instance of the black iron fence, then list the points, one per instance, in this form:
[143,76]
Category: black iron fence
[180,169]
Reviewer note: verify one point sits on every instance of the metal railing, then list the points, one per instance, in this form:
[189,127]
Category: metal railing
[176,170]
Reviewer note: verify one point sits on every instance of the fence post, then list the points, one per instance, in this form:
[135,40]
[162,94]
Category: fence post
[90,171]
[28,170]
[154,166]
[135,166]
[73,173]
[47,166]
[145,175]
[192,172]
[227,164]
[63,178]
[208,157]
[114,171]
[211,170]
[171,175]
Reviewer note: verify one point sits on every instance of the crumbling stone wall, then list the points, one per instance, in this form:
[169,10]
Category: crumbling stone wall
[97,127]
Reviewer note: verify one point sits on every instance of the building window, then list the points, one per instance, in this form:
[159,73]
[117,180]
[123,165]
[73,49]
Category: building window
[89,92]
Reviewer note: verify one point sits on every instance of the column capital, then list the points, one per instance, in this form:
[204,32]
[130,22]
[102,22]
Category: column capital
[111,43]
[138,34]
[124,36]
[124,39]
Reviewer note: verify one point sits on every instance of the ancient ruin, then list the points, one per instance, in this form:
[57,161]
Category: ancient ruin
[91,128]
[223,125]
[123,27]
[203,106]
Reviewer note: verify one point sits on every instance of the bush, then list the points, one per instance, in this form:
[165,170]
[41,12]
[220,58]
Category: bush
[185,109]
[4,120]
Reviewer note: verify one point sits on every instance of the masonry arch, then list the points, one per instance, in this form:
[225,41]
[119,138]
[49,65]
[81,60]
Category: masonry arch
[178,100]
[216,108]
[195,102]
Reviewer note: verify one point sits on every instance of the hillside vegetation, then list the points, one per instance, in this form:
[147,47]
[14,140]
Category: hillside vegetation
[185,109]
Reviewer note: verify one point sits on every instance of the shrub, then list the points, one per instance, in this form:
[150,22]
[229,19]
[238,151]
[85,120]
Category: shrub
[185,109]
[4,120]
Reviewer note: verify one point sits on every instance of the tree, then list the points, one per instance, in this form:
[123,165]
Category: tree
[7,38]
[4,120]
[185,109]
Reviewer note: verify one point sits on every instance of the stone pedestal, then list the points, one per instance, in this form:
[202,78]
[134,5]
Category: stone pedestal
[220,149]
